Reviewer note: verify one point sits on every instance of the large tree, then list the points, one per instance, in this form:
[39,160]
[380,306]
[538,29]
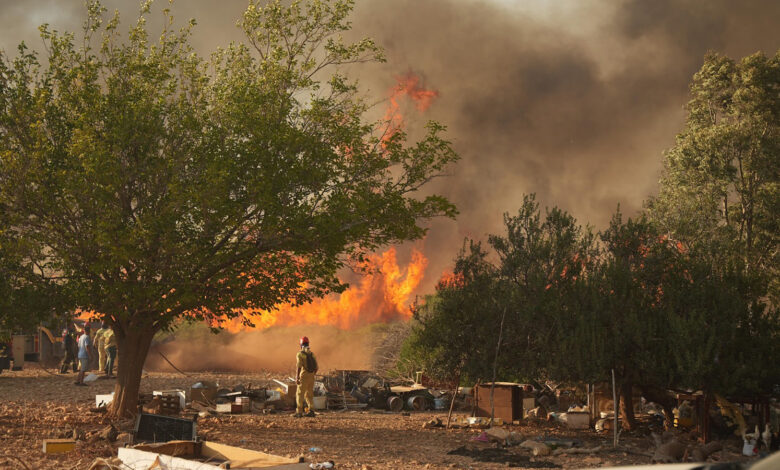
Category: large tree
[721,185]
[167,186]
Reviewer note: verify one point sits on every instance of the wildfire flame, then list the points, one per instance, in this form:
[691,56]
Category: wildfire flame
[408,85]
[382,295]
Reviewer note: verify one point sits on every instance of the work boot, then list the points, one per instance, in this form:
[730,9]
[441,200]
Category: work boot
[310,414]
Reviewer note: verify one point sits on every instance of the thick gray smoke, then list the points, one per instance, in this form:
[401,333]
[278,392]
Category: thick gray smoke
[574,100]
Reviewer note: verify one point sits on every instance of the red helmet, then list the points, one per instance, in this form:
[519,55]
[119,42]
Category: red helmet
[304,340]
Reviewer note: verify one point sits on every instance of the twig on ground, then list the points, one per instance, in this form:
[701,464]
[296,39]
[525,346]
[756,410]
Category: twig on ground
[18,460]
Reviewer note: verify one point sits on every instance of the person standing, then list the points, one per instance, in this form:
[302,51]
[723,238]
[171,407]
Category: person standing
[84,344]
[100,346]
[306,369]
[69,344]
[109,341]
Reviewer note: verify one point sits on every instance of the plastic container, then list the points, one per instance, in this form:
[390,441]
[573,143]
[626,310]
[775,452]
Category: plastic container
[320,403]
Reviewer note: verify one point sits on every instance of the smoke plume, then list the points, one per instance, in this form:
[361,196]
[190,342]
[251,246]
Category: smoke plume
[272,350]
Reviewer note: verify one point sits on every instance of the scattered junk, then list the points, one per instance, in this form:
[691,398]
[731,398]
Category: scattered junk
[104,400]
[204,392]
[204,455]
[395,404]
[173,395]
[159,428]
[322,465]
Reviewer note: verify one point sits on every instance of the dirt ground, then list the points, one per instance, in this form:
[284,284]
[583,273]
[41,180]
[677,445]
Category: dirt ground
[36,404]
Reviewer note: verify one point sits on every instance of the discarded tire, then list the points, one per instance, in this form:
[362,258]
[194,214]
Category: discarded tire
[416,403]
[395,404]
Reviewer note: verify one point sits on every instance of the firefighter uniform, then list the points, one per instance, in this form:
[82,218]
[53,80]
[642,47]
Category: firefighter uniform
[304,395]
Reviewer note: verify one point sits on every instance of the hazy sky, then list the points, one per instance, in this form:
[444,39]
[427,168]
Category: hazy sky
[573,100]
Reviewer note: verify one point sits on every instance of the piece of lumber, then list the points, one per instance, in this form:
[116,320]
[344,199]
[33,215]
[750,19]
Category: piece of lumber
[58,446]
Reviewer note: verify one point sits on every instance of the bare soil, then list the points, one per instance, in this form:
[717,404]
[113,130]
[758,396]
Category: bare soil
[37,404]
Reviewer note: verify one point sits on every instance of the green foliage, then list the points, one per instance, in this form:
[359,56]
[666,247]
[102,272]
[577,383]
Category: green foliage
[166,185]
[637,302]
[537,265]
[27,295]
[721,185]
[455,330]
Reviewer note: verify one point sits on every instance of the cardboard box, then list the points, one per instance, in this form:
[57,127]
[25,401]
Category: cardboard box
[245,403]
[209,454]
[578,419]
[223,407]
[58,446]
[507,401]
[205,394]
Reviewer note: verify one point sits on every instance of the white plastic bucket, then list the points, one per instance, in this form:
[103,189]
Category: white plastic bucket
[320,403]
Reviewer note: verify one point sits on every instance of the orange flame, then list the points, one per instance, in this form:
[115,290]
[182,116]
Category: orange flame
[450,280]
[382,295]
[408,85]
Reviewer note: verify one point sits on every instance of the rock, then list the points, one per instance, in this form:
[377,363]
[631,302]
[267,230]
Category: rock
[498,434]
[536,447]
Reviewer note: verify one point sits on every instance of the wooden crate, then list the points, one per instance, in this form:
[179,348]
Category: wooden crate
[507,401]
[169,404]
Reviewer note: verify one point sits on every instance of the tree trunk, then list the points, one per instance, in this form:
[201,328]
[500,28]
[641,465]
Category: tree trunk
[627,406]
[132,348]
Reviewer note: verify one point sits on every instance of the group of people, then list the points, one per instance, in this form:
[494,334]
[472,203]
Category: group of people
[80,352]
[82,349]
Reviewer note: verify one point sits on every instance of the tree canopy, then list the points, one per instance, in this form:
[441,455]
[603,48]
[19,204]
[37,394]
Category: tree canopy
[165,185]
[631,300]
[721,184]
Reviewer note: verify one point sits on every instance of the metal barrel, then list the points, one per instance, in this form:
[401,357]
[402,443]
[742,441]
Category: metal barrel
[416,403]
[395,403]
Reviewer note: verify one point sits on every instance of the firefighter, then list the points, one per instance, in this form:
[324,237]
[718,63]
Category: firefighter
[69,344]
[100,346]
[109,341]
[306,368]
